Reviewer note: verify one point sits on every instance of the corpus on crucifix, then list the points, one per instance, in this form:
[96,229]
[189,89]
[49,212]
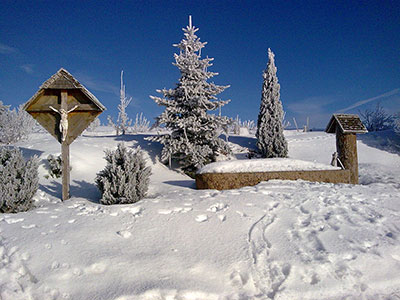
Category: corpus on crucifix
[64,120]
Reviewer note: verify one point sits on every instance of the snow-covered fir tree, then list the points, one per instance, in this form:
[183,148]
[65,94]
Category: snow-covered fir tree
[270,139]
[194,139]
[123,122]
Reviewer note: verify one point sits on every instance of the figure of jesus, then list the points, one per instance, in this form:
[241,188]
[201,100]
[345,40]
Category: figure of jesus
[64,120]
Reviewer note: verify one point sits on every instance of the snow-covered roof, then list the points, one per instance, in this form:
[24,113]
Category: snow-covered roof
[263,165]
[65,81]
[348,123]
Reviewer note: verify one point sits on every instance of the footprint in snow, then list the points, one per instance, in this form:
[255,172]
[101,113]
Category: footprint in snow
[28,226]
[124,233]
[77,272]
[13,220]
[222,218]
[135,211]
[96,268]
[201,218]
[164,211]
[240,213]
[55,265]
[217,207]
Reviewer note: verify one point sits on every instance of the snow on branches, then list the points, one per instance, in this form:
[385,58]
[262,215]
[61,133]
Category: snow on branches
[15,124]
[270,139]
[123,122]
[194,138]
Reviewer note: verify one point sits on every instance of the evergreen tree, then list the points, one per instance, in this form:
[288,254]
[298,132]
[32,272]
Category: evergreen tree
[123,122]
[270,139]
[194,139]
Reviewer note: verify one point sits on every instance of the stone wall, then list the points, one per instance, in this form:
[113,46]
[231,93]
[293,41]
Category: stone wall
[226,181]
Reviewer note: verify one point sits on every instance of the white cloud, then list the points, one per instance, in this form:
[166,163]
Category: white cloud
[4,49]
[362,102]
[28,68]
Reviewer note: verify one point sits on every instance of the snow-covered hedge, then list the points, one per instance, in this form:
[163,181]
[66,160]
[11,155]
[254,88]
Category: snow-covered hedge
[125,179]
[19,181]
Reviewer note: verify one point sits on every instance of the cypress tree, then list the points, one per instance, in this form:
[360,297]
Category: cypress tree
[270,139]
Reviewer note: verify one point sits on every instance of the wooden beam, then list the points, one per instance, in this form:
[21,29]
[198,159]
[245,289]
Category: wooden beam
[81,108]
[65,154]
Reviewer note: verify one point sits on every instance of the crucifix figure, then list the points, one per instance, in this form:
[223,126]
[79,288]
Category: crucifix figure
[64,120]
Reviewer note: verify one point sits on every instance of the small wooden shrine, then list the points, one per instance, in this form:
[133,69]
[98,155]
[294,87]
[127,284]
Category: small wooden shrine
[65,108]
[346,126]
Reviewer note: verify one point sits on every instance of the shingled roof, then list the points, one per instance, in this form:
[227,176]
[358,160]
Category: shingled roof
[63,80]
[347,124]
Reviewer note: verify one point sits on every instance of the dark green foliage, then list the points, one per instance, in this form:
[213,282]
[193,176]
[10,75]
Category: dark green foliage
[55,166]
[19,180]
[125,179]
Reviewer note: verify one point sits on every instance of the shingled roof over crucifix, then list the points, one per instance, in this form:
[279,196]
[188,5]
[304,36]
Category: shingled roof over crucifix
[81,105]
[347,123]
[63,80]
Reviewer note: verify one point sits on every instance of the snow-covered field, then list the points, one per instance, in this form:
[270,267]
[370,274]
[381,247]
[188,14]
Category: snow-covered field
[276,240]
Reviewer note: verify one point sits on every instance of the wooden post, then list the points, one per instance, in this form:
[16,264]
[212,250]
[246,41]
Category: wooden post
[65,171]
[65,153]
[346,146]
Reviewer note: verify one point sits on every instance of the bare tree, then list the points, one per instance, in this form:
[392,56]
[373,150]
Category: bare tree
[376,119]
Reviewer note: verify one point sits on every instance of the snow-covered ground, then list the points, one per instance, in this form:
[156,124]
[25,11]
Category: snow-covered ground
[276,240]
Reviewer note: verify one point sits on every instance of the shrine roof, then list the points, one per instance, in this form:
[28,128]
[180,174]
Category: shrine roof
[347,123]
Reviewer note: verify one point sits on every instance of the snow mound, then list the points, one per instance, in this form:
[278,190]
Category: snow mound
[264,165]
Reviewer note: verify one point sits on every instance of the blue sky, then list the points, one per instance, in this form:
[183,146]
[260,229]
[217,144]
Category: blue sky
[331,55]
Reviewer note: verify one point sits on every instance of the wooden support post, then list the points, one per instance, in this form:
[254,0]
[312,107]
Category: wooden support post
[346,146]
[65,153]
[65,171]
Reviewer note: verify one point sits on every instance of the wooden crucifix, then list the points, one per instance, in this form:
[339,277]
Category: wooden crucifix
[65,108]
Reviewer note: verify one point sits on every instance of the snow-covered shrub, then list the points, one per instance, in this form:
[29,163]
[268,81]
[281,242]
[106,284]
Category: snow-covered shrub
[55,166]
[238,127]
[92,127]
[141,124]
[15,124]
[19,180]
[125,179]
[376,119]
[194,139]
[270,139]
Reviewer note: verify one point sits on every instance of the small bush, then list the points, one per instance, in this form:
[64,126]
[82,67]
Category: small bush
[125,179]
[19,181]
